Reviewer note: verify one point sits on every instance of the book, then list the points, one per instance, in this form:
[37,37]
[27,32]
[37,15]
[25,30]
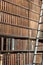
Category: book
[13,43]
[0,16]
[2,43]
[1,59]
[1,4]
[7,44]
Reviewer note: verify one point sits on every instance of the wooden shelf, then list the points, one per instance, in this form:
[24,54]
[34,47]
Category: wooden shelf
[20,51]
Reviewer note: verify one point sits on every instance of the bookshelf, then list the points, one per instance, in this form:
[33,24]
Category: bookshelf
[18,30]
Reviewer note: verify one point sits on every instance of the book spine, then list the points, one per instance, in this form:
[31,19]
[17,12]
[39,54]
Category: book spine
[24,59]
[1,58]
[8,43]
[1,4]
[2,43]
[13,41]
[9,60]
[21,59]
[5,6]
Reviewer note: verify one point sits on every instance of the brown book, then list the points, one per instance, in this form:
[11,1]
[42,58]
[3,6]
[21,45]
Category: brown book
[1,4]
[15,60]
[5,6]
[9,59]
[24,59]
[8,16]
[0,16]
[6,43]
[21,59]
[4,17]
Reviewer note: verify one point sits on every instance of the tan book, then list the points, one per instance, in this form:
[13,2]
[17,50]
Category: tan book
[13,43]
[3,5]
[1,59]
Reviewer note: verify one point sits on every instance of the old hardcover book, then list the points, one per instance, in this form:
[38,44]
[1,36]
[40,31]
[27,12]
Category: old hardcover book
[9,43]
[6,43]
[2,43]
[13,43]
[1,59]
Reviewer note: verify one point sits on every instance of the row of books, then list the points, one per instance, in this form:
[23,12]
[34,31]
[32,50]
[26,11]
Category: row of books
[13,44]
[16,19]
[13,31]
[16,31]
[15,59]
[15,9]
[10,19]
[17,44]
[20,10]
[27,4]
[20,2]
[19,59]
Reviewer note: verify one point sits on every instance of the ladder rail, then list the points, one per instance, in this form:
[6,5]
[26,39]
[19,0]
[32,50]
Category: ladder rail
[37,38]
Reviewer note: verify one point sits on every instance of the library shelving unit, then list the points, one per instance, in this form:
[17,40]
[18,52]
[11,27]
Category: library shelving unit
[19,21]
